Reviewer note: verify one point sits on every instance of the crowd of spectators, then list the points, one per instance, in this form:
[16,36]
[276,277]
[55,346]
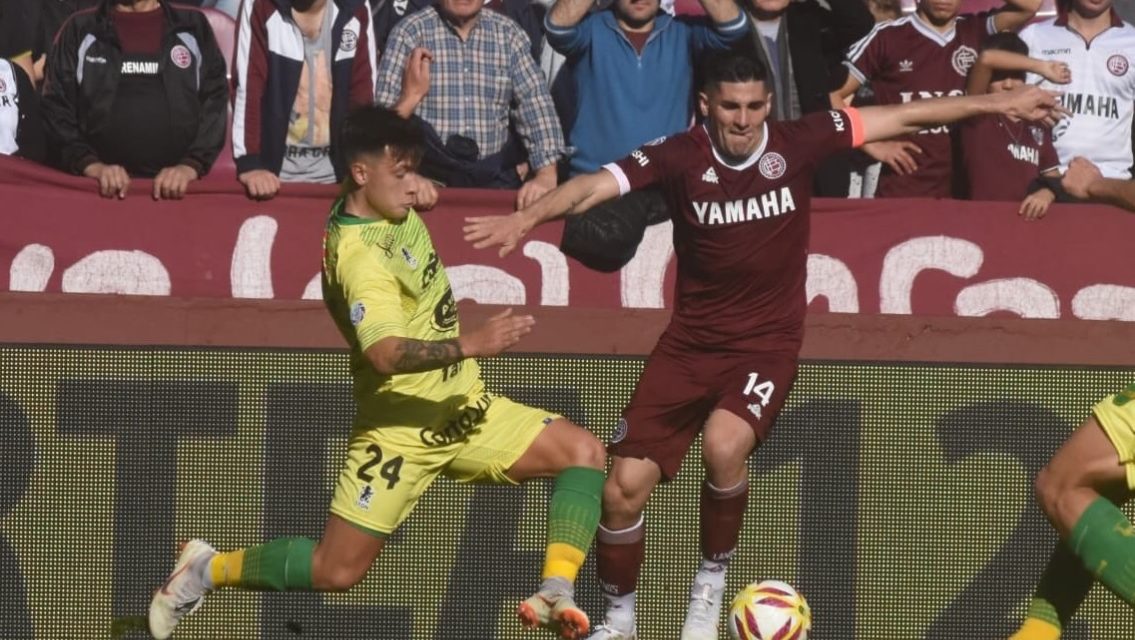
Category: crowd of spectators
[520,94]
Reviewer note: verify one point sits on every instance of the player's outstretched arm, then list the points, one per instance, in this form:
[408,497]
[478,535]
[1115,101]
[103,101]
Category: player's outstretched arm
[572,197]
[391,356]
[1016,14]
[1084,180]
[1026,103]
[993,60]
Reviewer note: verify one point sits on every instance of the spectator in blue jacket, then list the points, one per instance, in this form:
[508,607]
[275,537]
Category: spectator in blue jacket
[633,66]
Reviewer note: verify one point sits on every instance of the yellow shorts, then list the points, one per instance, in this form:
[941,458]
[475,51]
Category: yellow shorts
[389,468]
[1117,417]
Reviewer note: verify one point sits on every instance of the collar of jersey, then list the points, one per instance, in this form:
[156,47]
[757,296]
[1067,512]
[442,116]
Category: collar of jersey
[342,217]
[751,160]
[942,39]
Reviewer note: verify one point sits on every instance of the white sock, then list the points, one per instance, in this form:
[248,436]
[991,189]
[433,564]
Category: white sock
[620,611]
[712,573]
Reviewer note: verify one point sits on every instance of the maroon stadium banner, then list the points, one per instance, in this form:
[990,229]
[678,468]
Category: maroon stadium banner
[922,257]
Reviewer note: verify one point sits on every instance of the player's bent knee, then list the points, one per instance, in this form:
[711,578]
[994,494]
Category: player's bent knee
[725,453]
[621,502]
[588,452]
[1046,490]
[338,578]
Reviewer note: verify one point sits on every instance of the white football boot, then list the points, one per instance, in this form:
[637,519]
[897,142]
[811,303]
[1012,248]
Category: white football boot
[183,592]
[704,614]
[608,632]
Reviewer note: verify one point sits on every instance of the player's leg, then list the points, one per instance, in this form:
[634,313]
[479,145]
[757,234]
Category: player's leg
[621,542]
[669,406]
[727,443]
[576,459]
[751,393]
[512,443]
[336,562]
[364,510]
[1078,490]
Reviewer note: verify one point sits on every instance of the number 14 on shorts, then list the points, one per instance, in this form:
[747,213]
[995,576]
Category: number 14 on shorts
[762,390]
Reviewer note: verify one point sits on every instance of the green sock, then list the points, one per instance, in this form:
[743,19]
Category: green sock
[572,520]
[283,564]
[1105,541]
[1062,588]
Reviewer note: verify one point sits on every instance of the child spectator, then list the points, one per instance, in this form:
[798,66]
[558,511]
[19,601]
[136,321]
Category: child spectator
[1003,156]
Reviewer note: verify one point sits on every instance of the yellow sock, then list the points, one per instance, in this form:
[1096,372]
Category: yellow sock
[562,561]
[1034,629]
[225,568]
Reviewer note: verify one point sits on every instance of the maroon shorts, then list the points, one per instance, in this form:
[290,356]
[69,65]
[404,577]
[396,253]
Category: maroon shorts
[679,389]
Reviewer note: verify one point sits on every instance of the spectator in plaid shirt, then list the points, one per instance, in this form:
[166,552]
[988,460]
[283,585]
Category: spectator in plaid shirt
[469,75]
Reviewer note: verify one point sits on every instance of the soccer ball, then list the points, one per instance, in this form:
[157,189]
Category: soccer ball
[767,610]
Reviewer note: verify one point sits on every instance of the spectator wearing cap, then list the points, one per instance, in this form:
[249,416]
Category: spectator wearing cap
[136,88]
[488,116]
[300,67]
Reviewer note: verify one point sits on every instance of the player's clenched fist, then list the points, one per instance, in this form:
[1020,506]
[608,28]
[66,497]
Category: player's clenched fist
[499,333]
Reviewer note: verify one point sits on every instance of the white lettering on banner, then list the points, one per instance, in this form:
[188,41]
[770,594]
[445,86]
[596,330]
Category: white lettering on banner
[487,285]
[1024,297]
[31,268]
[642,282]
[251,272]
[126,272]
[832,279]
[1105,302]
[553,272]
[903,263]
[314,288]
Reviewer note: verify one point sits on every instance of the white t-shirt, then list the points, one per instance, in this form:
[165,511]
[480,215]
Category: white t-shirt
[9,109]
[1101,95]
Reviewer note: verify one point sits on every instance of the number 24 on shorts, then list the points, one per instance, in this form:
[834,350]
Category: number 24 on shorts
[389,471]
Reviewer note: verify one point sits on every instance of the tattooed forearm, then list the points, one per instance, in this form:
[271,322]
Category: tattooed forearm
[426,355]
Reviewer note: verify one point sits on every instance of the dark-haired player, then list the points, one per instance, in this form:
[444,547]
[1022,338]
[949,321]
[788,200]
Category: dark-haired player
[739,189]
[422,407]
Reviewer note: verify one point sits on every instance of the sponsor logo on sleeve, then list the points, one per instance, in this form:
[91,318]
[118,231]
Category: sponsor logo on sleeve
[181,56]
[358,312]
[837,121]
[640,157]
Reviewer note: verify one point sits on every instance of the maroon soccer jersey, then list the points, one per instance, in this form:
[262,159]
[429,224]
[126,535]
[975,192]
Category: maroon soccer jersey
[905,60]
[1002,157]
[740,231]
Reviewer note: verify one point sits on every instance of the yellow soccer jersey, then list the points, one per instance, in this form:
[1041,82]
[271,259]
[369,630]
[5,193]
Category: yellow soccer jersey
[383,279]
